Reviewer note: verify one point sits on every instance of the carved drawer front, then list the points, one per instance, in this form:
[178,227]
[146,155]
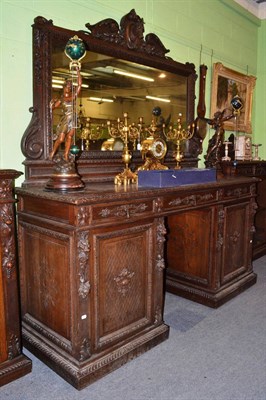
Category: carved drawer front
[236,192]
[186,200]
[188,256]
[236,239]
[121,211]
[122,283]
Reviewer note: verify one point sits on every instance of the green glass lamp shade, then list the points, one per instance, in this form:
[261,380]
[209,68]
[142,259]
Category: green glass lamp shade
[75,48]
[74,149]
[237,103]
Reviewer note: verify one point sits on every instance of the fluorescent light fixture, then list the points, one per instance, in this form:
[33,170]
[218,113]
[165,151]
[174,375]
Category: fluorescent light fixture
[59,83]
[84,85]
[58,80]
[129,74]
[56,86]
[100,99]
[158,99]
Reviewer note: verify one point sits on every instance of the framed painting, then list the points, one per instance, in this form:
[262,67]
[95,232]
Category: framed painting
[226,84]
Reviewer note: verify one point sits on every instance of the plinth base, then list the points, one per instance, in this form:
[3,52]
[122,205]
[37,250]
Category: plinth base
[11,370]
[210,298]
[82,374]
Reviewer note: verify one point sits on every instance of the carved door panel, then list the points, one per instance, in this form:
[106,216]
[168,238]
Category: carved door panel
[236,241]
[123,282]
[190,240]
[46,278]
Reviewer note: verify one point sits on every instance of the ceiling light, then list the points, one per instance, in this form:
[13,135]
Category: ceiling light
[100,99]
[58,80]
[129,74]
[84,85]
[56,86]
[158,99]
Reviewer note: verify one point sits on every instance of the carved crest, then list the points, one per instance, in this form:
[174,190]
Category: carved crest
[130,34]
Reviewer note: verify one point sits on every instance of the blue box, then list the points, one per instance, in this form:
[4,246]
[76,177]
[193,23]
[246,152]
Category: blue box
[176,177]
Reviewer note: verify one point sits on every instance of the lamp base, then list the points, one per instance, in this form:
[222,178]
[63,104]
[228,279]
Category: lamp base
[65,177]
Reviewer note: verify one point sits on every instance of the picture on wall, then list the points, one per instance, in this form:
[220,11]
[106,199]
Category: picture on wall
[226,84]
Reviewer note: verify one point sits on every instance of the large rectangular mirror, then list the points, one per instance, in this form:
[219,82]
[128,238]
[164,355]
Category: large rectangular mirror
[123,71]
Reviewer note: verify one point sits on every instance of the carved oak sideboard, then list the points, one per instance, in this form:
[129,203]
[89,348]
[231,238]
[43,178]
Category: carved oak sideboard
[92,266]
[13,364]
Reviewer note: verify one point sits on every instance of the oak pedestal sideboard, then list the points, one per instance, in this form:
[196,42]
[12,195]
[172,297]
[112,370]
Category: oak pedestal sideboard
[92,266]
[13,363]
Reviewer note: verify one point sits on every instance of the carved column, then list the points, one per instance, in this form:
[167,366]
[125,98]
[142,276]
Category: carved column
[13,364]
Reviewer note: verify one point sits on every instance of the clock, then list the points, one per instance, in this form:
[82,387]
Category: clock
[158,148]
[154,147]
[153,150]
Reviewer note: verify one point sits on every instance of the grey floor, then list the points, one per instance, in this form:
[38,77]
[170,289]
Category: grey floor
[210,355]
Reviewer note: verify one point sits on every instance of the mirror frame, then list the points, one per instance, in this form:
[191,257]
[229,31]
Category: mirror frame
[124,41]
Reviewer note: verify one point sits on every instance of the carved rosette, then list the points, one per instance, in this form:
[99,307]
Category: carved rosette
[158,204]
[83,216]
[124,281]
[83,259]
[234,238]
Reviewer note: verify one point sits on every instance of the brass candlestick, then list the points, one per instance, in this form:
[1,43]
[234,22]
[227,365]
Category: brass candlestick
[177,135]
[123,131]
[256,156]
[226,157]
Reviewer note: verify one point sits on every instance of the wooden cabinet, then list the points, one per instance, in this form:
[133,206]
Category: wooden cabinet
[13,364]
[209,252]
[92,291]
[92,266]
[256,169]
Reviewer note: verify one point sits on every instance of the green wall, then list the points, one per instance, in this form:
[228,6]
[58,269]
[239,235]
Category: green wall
[198,31]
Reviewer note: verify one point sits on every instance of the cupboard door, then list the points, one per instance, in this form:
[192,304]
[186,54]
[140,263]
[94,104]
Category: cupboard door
[189,246]
[46,280]
[236,241]
[123,282]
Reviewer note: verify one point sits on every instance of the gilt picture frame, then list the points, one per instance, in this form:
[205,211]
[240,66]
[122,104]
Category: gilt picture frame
[226,84]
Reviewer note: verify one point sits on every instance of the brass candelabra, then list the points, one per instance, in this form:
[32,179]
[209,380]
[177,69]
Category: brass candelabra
[177,136]
[127,133]
[152,129]
[90,133]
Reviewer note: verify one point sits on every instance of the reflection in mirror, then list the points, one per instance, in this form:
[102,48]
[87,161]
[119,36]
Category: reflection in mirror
[111,49]
[111,87]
